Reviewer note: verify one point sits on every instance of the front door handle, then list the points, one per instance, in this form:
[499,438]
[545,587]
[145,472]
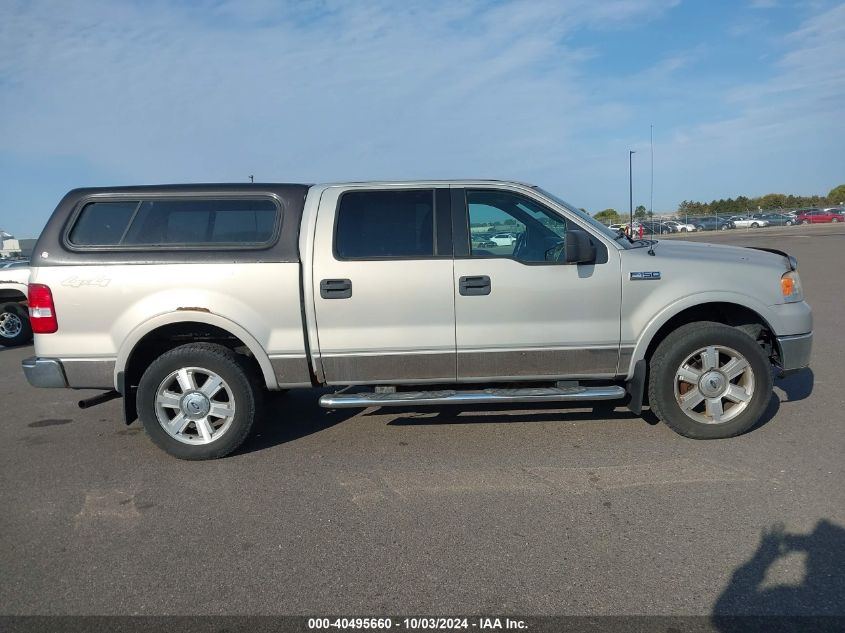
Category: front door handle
[474,286]
[336,288]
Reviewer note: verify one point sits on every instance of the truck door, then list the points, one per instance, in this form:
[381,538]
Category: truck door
[520,311]
[382,285]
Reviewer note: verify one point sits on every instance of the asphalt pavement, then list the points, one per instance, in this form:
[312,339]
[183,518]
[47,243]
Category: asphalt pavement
[541,510]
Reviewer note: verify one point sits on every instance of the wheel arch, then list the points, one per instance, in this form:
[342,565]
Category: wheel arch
[175,328]
[730,311]
[12,295]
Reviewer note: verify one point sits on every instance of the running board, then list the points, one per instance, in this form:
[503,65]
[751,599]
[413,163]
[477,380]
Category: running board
[484,396]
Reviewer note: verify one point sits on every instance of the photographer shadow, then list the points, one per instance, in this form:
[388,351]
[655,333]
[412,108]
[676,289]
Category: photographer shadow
[748,602]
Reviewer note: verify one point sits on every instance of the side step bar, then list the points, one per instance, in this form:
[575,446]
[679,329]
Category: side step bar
[484,396]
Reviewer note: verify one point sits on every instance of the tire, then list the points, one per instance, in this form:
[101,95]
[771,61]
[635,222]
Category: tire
[699,419]
[194,370]
[724,227]
[789,223]
[805,222]
[754,225]
[15,328]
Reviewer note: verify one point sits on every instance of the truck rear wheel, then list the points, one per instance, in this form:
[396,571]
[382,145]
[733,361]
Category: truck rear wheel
[14,325]
[198,401]
[708,380]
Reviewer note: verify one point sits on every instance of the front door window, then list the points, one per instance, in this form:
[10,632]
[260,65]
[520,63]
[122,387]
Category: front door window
[505,224]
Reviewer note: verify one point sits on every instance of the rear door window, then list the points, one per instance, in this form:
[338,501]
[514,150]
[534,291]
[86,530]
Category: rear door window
[385,224]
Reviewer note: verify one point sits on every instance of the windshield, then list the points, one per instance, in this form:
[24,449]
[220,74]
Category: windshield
[611,233]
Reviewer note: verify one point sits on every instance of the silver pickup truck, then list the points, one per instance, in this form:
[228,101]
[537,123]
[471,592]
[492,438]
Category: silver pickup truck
[189,301]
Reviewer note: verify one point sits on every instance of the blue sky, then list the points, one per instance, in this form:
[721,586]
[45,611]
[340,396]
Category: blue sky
[746,97]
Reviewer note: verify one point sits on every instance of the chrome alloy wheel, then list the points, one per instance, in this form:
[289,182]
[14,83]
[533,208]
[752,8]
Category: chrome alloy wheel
[714,384]
[10,324]
[194,405]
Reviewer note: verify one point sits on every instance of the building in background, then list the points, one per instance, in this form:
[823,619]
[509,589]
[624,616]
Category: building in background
[13,247]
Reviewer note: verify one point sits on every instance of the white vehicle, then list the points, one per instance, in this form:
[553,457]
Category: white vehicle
[14,318]
[743,222]
[624,226]
[504,239]
[680,227]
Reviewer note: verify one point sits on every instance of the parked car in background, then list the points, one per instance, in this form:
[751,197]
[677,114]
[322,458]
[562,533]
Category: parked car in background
[747,222]
[776,219]
[624,227]
[503,239]
[713,223]
[819,216]
[17,263]
[657,228]
[483,240]
[680,227]
[15,328]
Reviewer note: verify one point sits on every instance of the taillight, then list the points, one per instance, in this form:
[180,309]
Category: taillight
[42,312]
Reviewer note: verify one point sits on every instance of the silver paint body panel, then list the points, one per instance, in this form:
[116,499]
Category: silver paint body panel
[406,322]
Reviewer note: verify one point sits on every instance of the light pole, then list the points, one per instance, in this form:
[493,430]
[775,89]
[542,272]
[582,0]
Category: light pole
[631,152]
[651,190]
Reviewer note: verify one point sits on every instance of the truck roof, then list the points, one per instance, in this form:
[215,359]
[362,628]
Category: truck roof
[245,186]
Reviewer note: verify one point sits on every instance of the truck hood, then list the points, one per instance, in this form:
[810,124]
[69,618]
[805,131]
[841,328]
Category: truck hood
[706,252]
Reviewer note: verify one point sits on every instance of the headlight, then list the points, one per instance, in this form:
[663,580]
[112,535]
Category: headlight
[790,286]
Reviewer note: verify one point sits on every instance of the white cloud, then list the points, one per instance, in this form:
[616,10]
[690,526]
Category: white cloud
[164,92]
[785,129]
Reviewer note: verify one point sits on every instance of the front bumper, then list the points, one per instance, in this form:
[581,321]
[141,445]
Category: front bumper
[44,372]
[794,351]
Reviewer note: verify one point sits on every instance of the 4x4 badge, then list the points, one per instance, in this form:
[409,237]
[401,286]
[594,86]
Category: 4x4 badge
[640,276]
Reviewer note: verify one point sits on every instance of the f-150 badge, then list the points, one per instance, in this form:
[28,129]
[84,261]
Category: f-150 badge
[645,275]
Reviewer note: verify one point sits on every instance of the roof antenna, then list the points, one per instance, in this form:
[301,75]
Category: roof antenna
[251,178]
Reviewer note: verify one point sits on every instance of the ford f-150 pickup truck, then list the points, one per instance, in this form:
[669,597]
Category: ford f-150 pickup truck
[189,301]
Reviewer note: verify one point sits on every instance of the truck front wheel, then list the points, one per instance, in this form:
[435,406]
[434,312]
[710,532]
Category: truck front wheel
[708,380]
[198,401]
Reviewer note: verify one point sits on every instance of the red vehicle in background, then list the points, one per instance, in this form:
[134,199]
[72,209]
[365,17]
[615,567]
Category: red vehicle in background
[815,216]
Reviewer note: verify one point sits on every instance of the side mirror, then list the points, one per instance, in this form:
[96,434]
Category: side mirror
[579,248]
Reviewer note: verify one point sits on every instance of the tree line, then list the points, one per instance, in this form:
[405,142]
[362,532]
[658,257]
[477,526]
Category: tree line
[740,205]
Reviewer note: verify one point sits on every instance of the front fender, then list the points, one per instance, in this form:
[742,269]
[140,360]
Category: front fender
[691,301]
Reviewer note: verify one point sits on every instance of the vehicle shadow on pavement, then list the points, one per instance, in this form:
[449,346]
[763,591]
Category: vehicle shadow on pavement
[758,587]
[797,386]
[289,416]
[499,414]
[538,412]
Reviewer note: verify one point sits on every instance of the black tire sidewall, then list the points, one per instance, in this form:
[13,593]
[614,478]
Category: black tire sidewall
[676,347]
[25,335]
[229,367]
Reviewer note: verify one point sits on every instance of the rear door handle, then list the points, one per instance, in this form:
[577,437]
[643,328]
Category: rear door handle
[474,286]
[336,288]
